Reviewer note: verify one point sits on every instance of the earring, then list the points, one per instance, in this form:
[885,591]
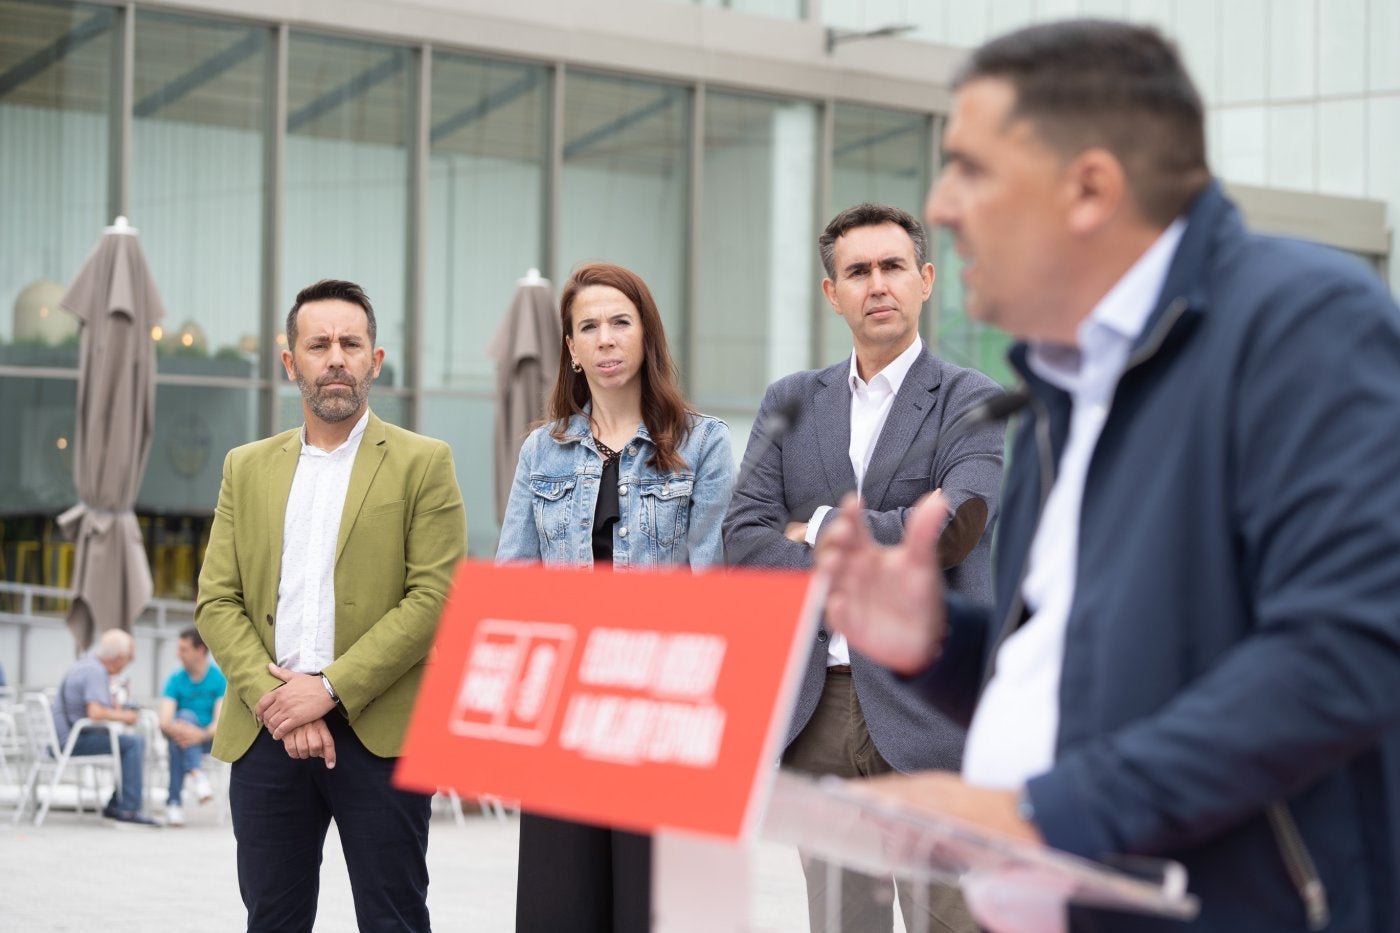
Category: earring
[576,367]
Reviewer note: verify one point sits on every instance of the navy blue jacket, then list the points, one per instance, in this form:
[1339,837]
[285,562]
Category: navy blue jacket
[1234,640]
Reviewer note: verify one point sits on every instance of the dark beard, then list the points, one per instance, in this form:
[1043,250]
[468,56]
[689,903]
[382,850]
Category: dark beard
[334,409]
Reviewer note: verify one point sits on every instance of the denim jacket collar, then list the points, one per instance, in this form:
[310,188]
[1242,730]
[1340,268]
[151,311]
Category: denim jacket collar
[577,429]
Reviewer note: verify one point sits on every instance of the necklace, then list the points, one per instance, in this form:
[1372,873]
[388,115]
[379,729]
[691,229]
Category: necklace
[609,455]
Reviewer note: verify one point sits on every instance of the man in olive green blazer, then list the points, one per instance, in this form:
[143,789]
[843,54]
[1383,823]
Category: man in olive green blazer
[328,564]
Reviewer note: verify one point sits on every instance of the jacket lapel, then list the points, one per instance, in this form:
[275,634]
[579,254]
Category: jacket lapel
[281,470]
[917,396]
[833,426]
[367,460]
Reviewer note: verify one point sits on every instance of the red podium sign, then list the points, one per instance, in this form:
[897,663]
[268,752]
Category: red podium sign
[639,700]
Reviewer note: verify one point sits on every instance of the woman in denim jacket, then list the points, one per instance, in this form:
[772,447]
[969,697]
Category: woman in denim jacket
[623,473]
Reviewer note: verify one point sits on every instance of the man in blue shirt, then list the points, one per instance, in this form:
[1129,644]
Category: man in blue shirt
[189,711]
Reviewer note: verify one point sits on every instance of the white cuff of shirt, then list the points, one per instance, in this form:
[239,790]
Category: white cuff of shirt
[814,524]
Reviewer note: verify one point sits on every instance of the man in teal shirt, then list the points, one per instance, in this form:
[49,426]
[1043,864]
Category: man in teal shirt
[189,711]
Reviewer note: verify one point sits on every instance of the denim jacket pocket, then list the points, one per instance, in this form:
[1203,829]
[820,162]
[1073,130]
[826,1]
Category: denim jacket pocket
[553,502]
[666,509]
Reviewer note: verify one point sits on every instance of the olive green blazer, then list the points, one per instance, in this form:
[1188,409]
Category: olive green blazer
[402,532]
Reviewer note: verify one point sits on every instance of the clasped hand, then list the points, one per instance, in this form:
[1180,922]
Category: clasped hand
[294,715]
[185,734]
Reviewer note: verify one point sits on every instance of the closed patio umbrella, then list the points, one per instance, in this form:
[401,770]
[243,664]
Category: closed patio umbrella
[526,350]
[116,303]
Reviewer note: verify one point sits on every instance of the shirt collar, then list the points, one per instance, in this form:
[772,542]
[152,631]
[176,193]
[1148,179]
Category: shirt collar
[355,433]
[1120,316]
[893,373]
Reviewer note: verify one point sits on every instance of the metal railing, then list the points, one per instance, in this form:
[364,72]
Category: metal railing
[30,608]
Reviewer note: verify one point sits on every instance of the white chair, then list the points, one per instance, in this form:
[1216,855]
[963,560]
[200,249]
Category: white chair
[488,804]
[46,755]
[9,744]
[155,768]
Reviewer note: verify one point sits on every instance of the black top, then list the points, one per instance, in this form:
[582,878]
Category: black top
[608,511]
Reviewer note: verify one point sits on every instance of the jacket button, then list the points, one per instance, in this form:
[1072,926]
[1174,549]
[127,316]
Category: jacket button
[821,636]
[269,618]
[622,532]
[622,490]
[631,451]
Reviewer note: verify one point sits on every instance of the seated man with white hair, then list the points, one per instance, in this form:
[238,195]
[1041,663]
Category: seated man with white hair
[86,691]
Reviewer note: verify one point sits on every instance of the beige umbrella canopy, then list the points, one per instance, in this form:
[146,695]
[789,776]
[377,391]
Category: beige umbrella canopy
[526,350]
[116,303]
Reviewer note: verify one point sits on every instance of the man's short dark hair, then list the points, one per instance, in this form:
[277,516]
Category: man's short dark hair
[191,635]
[869,215]
[330,290]
[1086,83]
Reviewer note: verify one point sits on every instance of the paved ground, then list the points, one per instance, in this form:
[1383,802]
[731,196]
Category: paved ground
[82,873]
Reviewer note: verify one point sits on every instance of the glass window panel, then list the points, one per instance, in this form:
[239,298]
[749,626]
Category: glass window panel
[36,462]
[1047,10]
[1244,78]
[1198,31]
[1341,141]
[194,427]
[1006,15]
[1291,53]
[1292,146]
[625,184]
[345,212]
[1383,27]
[465,422]
[55,105]
[881,156]
[487,176]
[197,186]
[1242,139]
[967,24]
[1341,40]
[759,273]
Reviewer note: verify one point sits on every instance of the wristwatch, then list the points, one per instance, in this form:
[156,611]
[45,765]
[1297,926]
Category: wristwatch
[330,691]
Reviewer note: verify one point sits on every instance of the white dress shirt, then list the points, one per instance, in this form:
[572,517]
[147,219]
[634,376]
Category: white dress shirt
[870,407]
[305,634]
[1013,732]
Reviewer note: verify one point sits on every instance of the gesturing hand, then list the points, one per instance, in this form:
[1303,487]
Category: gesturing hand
[887,601]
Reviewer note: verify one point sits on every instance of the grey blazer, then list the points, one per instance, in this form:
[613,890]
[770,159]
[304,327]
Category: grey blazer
[811,467]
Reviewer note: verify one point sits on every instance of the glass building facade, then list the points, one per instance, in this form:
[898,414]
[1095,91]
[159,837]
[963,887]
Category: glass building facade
[257,157]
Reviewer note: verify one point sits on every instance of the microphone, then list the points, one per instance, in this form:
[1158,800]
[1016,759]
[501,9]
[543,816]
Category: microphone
[988,411]
[773,430]
[776,426]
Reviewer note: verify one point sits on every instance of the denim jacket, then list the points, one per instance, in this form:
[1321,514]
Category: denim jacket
[666,517]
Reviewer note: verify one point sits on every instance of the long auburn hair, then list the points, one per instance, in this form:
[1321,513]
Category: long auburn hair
[665,411]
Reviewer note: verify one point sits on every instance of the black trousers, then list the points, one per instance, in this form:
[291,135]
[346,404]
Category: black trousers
[282,807]
[581,879]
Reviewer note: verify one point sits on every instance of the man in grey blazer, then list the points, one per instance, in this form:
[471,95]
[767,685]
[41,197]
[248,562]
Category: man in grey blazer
[875,423]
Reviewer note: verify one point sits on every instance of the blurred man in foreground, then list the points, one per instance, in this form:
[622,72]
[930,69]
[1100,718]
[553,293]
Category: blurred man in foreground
[1196,641]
